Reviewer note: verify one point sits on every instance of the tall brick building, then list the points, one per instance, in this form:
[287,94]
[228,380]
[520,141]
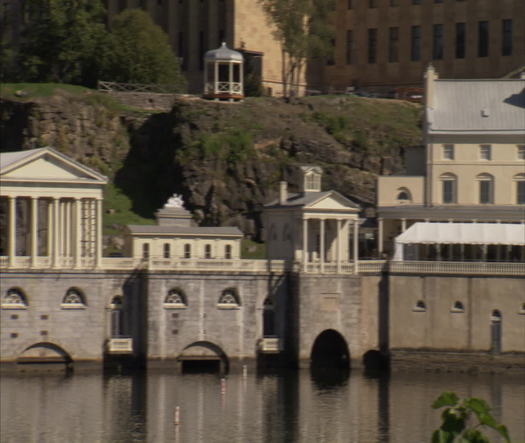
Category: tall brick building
[390,42]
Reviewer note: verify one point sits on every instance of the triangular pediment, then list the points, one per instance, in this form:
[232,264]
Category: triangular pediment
[47,164]
[333,201]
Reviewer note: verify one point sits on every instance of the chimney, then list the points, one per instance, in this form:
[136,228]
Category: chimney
[283,192]
[430,77]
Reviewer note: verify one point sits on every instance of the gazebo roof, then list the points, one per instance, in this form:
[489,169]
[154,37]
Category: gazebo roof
[223,53]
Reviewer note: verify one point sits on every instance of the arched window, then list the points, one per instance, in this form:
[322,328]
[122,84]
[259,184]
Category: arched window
[73,299]
[14,298]
[166,251]
[229,299]
[519,179]
[207,251]
[145,251]
[496,315]
[486,188]
[403,195]
[495,331]
[458,307]
[176,299]
[187,250]
[420,306]
[522,310]
[117,302]
[228,252]
[448,188]
[268,317]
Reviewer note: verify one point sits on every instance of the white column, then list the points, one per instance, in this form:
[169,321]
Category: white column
[241,77]
[380,236]
[77,232]
[67,229]
[98,237]
[12,231]
[49,229]
[216,78]
[230,77]
[403,224]
[305,244]
[205,77]
[321,245]
[356,246]
[55,252]
[338,246]
[34,230]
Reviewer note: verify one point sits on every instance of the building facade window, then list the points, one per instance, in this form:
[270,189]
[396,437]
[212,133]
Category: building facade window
[349,47]
[437,42]
[166,250]
[74,297]
[393,45]
[448,152]
[14,297]
[483,39]
[176,297]
[521,152]
[228,252]
[207,251]
[458,307]
[506,37]
[460,40]
[449,188]
[145,251]
[519,179]
[372,45]
[187,250]
[420,306]
[229,298]
[486,188]
[415,43]
[313,182]
[403,195]
[485,152]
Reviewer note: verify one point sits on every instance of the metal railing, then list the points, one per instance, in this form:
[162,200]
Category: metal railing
[446,267]
[103,86]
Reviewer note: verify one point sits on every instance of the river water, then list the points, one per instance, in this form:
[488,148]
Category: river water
[295,406]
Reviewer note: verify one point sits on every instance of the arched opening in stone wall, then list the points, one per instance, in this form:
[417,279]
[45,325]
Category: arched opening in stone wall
[330,351]
[46,357]
[268,318]
[204,357]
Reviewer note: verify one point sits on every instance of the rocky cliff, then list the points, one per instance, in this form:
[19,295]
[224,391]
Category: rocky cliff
[225,159]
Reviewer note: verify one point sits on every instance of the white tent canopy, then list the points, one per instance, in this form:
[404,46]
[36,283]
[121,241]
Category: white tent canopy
[460,233]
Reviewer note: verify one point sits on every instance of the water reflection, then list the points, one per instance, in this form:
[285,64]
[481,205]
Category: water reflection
[304,406]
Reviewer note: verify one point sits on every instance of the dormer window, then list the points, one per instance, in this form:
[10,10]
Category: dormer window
[313,182]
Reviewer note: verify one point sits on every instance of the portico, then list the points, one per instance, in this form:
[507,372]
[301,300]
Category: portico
[52,211]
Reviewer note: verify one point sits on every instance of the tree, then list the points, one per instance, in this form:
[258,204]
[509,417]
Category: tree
[458,417]
[141,53]
[303,28]
[62,41]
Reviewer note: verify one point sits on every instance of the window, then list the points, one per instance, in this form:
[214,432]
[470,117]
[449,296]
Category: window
[420,306]
[145,251]
[403,195]
[415,43]
[14,298]
[520,188]
[228,252]
[521,152]
[166,251]
[176,298]
[485,152]
[448,183]
[483,39]
[448,152]
[349,47]
[393,45]
[486,188]
[372,45]
[437,42]
[229,299]
[73,299]
[207,251]
[187,250]
[506,37]
[313,182]
[460,40]
[458,307]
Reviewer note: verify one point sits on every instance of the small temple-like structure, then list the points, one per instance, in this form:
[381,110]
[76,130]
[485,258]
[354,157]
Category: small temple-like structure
[223,74]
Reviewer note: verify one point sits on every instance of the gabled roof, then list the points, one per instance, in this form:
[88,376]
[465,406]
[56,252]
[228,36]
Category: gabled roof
[309,200]
[47,165]
[477,107]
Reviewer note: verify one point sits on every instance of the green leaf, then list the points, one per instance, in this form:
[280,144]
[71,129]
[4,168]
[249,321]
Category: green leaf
[446,399]
[441,436]
[474,436]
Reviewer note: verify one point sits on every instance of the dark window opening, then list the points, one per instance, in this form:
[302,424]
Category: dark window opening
[330,350]
[372,45]
[437,42]
[506,37]
[483,39]
[460,40]
[415,43]
[393,45]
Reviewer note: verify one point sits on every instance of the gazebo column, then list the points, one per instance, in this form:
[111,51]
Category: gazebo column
[98,235]
[216,78]
[321,245]
[12,230]
[356,246]
[34,230]
[77,232]
[55,251]
[230,78]
[380,236]
[305,244]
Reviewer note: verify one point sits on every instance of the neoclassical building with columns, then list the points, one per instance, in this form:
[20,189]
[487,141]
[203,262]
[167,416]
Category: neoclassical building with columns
[51,210]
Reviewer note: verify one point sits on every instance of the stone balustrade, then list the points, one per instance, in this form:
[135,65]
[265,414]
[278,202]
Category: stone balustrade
[120,345]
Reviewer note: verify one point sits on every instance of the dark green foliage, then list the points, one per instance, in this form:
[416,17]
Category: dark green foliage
[457,426]
[141,53]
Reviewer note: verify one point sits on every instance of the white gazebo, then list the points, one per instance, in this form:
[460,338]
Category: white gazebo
[223,74]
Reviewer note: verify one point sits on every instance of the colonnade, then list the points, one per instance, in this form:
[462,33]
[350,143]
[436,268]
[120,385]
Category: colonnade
[342,226]
[73,234]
